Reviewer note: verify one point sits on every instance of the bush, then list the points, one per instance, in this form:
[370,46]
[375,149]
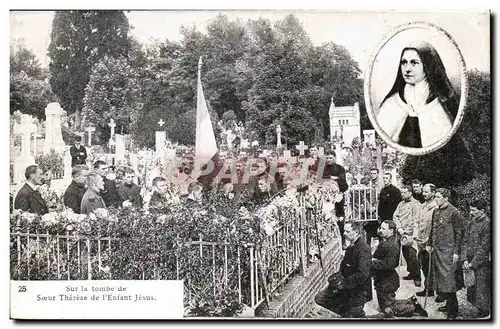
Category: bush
[477,188]
[52,161]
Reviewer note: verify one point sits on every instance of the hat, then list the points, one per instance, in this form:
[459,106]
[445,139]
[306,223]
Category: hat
[335,280]
[406,240]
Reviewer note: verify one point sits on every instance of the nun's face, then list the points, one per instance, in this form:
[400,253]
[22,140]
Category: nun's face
[412,67]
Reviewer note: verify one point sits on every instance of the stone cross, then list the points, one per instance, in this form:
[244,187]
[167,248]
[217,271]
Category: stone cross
[112,125]
[278,132]
[358,177]
[301,147]
[245,143]
[161,122]
[90,130]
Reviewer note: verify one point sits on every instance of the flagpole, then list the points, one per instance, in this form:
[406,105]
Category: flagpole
[200,63]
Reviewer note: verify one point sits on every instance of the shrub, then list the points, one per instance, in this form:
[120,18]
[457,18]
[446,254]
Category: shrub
[52,162]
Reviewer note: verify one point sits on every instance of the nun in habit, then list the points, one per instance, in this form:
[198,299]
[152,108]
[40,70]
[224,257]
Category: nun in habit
[422,105]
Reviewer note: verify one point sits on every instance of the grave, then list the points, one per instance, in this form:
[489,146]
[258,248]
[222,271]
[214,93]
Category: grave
[53,134]
[25,159]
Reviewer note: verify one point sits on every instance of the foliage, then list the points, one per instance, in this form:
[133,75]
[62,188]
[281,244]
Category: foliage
[263,73]
[469,151]
[112,93]
[29,90]
[477,188]
[80,39]
[52,162]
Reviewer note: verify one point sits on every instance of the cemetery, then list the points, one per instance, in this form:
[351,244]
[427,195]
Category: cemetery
[241,250]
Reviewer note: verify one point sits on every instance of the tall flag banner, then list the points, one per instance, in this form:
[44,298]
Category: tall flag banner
[206,152]
[206,146]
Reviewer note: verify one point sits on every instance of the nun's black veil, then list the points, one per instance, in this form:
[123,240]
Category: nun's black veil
[439,84]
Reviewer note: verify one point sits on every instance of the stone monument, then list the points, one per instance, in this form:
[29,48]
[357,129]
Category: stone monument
[25,159]
[53,134]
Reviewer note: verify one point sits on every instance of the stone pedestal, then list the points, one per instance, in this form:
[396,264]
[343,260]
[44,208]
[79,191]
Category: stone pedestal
[161,140]
[53,134]
[120,148]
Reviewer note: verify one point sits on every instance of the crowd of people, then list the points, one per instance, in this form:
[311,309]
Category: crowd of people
[417,221]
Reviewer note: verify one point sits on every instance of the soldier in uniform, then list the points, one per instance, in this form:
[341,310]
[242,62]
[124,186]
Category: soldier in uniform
[91,199]
[445,244]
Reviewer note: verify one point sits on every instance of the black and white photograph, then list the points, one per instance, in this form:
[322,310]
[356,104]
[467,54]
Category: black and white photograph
[424,106]
[250,164]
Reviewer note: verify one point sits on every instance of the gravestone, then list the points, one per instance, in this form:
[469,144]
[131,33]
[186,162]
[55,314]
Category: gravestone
[245,143]
[90,130]
[278,137]
[119,148]
[25,159]
[33,129]
[339,154]
[53,134]
[67,164]
[160,138]
[321,151]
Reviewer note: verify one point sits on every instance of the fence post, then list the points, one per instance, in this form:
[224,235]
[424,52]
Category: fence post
[252,278]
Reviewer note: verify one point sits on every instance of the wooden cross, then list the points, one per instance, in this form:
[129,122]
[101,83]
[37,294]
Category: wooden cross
[301,147]
[161,122]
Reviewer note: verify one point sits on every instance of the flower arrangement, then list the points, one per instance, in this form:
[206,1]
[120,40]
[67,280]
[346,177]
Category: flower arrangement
[52,162]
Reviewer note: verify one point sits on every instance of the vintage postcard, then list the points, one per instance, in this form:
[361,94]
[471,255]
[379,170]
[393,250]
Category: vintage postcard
[250,164]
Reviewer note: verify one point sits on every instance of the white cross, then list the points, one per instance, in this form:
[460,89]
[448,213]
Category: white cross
[161,122]
[112,123]
[358,178]
[301,147]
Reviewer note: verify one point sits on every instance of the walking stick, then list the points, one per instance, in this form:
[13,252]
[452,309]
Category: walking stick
[400,257]
[427,280]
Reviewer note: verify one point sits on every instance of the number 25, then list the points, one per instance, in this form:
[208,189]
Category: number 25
[22,288]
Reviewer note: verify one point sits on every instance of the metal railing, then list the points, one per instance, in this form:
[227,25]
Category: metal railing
[361,203]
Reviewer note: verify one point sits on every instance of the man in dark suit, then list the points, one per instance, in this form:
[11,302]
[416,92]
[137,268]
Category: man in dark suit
[109,194]
[28,198]
[78,153]
[130,191]
[75,191]
[384,263]
[389,198]
[348,297]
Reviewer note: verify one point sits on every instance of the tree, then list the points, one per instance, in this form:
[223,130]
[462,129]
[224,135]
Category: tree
[112,93]
[29,90]
[79,39]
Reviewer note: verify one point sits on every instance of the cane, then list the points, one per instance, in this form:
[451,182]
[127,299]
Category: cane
[427,280]
[400,256]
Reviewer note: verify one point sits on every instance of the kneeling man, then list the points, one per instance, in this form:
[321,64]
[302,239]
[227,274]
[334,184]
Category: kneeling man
[349,290]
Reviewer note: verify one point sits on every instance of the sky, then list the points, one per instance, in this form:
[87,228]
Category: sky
[359,31]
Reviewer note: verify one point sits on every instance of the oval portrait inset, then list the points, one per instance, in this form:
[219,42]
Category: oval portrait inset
[416,88]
